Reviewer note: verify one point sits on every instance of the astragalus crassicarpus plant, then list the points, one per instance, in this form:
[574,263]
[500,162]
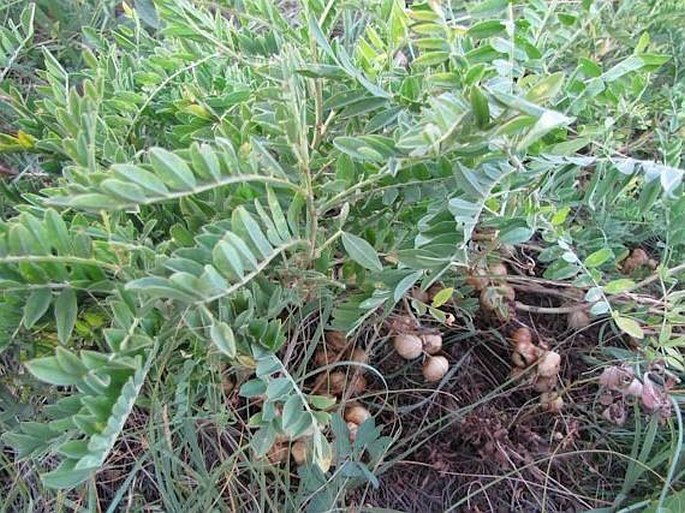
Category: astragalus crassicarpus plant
[212,172]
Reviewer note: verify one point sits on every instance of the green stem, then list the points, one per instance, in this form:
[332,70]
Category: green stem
[248,277]
[675,457]
[56,259]
[328,242]
[229,180]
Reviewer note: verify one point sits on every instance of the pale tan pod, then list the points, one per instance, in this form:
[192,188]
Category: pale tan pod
[408,346]
[616,378]
[477,279]
[299,452]
[492,298]
[551,401]
[508,292]
[548,366]
[434,368]
[556,405]
[402,324]
[525,354]
[543,384]
[577,320]
[353,428]
[432,343]
[336,382]
[278,453]
[498,271]
[635,388]
[489,299]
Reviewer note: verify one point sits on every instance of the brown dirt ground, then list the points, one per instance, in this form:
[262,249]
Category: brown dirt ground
[507,453]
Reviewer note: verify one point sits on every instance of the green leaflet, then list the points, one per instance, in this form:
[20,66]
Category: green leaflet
[548,121]
[36,306]
[228,261]
[142,178]
[629,326]
[172,170]
[223,338]
[74,471]
[67,476]
[361,252]
[66,310]
[481,109]
[205,161]
[124,190]
[173,176]
[633,63]
[159,287]
[598,258]
[244,222]
[49,370]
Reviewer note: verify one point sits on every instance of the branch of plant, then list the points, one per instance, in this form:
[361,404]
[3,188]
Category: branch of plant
[260,268]
[553,310]
[574,295]
[19,49]
[532,284]
[580,305]
[328,242]
[656,276]
[318,98]
[338,198]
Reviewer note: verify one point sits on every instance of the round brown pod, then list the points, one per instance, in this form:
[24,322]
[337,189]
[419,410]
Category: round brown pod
[408,346]
[434,368]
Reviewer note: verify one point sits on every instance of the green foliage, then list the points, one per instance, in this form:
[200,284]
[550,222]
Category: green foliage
[207,175]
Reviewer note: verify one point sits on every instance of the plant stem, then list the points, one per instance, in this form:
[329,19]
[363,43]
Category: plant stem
[553,310]
[328,242]
[245,279]
[655,277]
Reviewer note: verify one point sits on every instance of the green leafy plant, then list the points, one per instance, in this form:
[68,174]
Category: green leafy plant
[215,174]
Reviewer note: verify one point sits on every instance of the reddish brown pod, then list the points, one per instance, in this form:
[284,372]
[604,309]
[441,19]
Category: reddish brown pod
[323,357]
[335,341]
[637,259]
[337,381]
[477,278]
[360,356]
[522,335]
[357,413]
[498,272]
